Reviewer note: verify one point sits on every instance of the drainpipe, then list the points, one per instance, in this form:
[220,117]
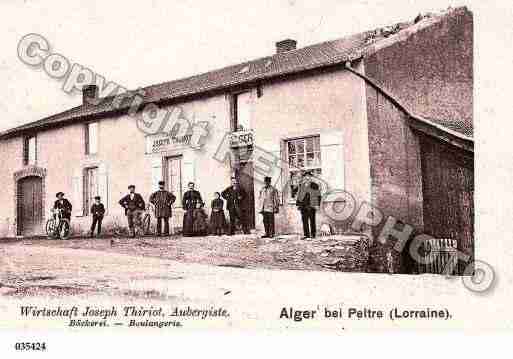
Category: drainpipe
[402,107]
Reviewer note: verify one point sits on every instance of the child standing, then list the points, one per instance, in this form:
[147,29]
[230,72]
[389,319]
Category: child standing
[97,211]
[217,218]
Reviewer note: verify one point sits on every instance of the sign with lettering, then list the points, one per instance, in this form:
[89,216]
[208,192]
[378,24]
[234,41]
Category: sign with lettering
[241,139]
[163,143]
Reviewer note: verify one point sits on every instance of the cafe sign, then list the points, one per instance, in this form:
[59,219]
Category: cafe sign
[164,143]
[241,139]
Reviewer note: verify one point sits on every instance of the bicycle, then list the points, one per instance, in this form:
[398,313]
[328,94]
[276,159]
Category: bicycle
[58,227]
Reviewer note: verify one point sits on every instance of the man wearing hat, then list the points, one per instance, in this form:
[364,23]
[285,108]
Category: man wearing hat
[235,196]
[162,200]
[269,206]
[308,200]
[134,205]
[64,205]
[97,211]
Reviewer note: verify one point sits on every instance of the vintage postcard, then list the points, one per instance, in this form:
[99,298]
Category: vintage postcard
[170,165]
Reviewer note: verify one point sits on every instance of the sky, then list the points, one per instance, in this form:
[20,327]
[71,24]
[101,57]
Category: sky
[141,43]
[146,42]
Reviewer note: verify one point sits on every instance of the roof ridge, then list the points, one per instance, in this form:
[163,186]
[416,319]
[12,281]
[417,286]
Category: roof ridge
[317,55]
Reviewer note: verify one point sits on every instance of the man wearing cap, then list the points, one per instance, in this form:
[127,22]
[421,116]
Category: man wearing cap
[134,205]
[269,206]
[162,200]
[308,200]
[97,211]
[64,205]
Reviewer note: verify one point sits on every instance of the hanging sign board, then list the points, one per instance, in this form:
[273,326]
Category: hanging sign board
[241,139]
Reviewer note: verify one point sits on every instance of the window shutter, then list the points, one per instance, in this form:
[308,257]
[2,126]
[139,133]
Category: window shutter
[332,159]
[77,184]
[156,172]
[85,189]
[86,138]
[103,185]
[25,150]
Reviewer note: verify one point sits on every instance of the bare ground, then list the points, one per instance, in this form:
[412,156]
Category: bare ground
[34,267]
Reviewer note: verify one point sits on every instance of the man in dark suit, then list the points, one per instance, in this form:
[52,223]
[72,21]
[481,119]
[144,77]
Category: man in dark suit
[64,205]
[134,205]
[162,200]
[308,200]
[97,211]
[234,196]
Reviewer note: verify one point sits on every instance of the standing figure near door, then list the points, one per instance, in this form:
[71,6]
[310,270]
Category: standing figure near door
[308,201]
[134,205]
[162,200]
[234,196]
[269,205]
[190,202]
[217,218]
[97,211]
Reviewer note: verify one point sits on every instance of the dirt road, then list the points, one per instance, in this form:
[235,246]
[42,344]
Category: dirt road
[46,274]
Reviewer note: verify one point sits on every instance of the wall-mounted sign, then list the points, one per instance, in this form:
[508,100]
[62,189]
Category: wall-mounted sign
[163,143]
[241,139]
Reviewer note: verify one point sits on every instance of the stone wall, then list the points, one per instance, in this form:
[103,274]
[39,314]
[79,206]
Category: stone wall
[430,72]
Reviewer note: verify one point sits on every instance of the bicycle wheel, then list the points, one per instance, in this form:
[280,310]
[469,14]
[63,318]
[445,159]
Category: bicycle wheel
[146,224]
[65,229]
[50,228]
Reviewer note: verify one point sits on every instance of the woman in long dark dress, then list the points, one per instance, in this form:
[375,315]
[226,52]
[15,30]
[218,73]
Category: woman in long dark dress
[200,225]
[190,200]
[217,218]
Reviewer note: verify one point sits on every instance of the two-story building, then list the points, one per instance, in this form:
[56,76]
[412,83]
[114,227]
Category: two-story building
[385,115]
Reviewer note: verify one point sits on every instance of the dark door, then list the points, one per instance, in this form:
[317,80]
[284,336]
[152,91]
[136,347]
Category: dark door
[30,205]
[246,182]
[448,190]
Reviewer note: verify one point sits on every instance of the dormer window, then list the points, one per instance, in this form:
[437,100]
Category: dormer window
[91,138]
[241,111]
[29,150]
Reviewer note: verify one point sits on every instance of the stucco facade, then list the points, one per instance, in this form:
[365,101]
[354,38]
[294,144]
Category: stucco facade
[431,72]
[329,104]
[367,145]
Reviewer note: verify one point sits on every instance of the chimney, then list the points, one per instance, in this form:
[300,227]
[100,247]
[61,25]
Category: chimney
[89,94]
[285,45]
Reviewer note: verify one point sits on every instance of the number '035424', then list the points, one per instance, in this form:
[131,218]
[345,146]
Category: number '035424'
[29,346]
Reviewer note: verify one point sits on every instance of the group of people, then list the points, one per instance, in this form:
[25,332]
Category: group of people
[195,221]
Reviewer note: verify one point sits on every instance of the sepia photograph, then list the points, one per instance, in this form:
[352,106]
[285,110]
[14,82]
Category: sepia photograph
[275,165]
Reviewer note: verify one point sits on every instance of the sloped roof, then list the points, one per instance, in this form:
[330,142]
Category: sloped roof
[260,70]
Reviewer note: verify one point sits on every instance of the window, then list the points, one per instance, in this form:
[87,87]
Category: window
[174,178]
[303,154]
[30,150]
[242,111]
[91,138]
[91,188]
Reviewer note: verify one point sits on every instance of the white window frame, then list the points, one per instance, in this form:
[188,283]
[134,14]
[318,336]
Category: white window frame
[295,168]
[31,143]
[237,111]
[169,184]
[91,138]
[88,197]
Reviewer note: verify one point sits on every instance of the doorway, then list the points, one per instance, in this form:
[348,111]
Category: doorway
[448,192]
[173,177]
[246,180]
[30,205]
